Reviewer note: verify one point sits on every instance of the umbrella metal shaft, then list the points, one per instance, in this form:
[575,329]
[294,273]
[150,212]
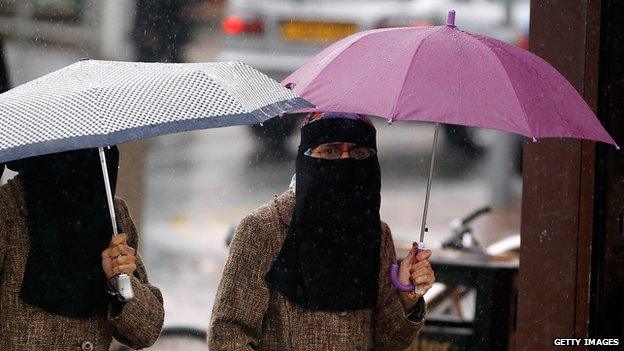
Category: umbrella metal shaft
[109,192]
[123,282]
[423,227]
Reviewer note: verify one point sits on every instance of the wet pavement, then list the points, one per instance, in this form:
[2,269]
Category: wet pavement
[200,184]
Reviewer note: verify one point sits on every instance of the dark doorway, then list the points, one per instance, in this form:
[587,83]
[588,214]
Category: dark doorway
[607,304]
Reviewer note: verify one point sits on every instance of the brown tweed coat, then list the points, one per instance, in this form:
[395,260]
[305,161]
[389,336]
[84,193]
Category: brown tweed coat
[248,315]
[26,327]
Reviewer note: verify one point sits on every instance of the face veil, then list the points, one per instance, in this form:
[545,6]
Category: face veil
[330,257]
[69,227]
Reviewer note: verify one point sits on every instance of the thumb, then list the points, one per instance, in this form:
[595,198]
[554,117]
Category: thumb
[410,257]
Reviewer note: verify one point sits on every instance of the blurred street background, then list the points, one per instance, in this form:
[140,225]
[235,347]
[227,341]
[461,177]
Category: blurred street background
[191,189]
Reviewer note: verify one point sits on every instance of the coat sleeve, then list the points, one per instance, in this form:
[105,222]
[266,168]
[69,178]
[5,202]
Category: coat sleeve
[243,294]
[138,322]
[392,329]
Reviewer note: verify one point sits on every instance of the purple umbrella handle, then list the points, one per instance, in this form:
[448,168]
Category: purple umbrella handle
[394,274]
[394,278]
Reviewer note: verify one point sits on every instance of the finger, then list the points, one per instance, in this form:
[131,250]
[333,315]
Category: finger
[118,239]
[409,258]
[115,252]
[415,277]
[423,279]
[421,264]
[420,269]
[423,271]
[407,261]
[424,255]
[121,250]
[127,269]
[125,249]
[106,254]
[124,260]
[421,274]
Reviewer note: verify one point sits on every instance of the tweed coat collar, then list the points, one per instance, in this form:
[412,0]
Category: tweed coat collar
[13,197]
[284,206]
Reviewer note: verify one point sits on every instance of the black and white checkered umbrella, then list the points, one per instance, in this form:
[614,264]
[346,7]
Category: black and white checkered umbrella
[100,103]
[97,103]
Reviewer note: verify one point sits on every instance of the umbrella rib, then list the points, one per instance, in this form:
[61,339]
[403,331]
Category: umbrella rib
[97,92]
[458,75]
[409,67]
[526,118]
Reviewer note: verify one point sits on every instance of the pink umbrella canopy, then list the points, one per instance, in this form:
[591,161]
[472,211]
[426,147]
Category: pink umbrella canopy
[447,75]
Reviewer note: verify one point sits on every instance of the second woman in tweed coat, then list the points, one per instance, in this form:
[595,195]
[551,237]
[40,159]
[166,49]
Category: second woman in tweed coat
[251,314]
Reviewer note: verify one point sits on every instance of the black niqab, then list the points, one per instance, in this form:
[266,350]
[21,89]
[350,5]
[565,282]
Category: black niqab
[69,227]
[331,253]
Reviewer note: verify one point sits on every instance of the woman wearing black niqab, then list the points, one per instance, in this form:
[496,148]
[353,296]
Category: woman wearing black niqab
[309,270]
[57,189]
[56,256]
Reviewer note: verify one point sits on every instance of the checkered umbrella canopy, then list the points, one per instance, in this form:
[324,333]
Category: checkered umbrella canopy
[97,103]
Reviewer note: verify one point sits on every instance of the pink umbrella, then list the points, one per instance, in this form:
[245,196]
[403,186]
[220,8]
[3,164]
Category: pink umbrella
[445,75]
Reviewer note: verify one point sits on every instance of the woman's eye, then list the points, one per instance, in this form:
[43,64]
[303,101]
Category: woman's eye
[359,153]
[330,152]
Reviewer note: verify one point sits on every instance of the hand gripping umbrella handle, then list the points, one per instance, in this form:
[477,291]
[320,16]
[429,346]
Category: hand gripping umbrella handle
[123,283]
[394,275]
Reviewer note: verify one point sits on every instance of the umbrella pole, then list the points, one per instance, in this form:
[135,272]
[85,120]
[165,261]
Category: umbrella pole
[109,192]
[123,283]
[423,227]
[420,246]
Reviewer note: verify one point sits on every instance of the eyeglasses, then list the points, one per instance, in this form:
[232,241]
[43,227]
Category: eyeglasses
[335,151]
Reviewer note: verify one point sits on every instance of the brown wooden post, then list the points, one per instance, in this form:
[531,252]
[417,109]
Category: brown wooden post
[557,206]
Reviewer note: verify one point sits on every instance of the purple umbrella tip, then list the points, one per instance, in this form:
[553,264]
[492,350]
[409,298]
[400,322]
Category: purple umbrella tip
[289,86]
[391,120]
[450,20]
[534,139]
[617,147]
